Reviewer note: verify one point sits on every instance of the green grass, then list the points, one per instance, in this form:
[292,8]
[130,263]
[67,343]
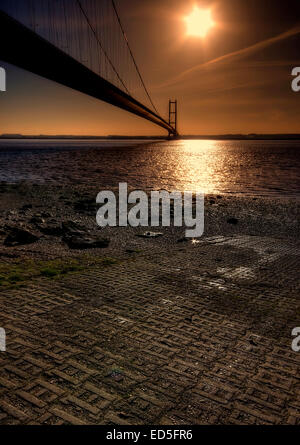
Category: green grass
[15,278]
[17,274]
[109,261]
[49,273]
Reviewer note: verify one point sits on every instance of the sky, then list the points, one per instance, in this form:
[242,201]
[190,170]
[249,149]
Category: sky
[236,79]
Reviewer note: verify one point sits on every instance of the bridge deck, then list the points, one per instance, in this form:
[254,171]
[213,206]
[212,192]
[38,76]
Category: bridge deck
[26,49]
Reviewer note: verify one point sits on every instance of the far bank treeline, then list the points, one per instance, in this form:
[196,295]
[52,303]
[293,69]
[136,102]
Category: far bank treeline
[252,136]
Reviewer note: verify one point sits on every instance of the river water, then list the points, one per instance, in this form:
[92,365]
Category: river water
[262,168]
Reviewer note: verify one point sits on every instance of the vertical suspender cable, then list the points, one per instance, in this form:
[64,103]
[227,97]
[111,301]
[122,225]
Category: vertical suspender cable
[132,56]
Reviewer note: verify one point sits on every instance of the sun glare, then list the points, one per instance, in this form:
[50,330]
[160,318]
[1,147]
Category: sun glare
[199,22]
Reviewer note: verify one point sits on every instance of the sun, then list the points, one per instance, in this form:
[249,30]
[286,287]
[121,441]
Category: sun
[199,22]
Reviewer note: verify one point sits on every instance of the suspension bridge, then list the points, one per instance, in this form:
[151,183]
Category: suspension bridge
[81,44]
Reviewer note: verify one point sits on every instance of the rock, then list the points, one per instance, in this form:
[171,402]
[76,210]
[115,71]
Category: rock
[18,236]
[232,221]
[36,220]
[51,228]
[183,240]
[76,237]
[71,227]
[12,213]
[81,242]
[26,207]
[150,234]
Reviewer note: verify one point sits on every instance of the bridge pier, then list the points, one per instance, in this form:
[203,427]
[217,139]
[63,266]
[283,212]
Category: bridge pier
[173,119]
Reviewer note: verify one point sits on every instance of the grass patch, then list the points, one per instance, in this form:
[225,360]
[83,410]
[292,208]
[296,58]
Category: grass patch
[48,272]
[17,274]
[15,278]
[60,267]
[109,261]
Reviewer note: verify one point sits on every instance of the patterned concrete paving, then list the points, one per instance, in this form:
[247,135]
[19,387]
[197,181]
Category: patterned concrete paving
[200,334]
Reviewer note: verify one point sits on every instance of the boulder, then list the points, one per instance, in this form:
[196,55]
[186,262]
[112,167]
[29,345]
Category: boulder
[51,227]
[76,237]
[18,236]
[85,242]
[72,228]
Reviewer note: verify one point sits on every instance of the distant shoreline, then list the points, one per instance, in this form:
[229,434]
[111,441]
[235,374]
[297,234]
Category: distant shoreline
[250,137]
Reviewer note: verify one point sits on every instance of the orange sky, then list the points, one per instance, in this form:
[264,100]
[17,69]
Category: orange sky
[236,80]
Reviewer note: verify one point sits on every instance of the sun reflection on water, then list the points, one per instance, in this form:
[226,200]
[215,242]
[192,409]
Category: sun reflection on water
[201,165]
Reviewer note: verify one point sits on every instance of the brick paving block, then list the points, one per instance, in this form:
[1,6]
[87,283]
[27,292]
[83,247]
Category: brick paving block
[49,386]
[117,419]
[63,378]
[82,404]
[273,379]
[5,383]
[264,396]
[13,411]
[66,417]
[30,398]
[259,415]
[15,375]
[215,391]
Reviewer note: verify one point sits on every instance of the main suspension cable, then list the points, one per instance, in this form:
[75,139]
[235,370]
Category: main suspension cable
[132,56]
[100,44]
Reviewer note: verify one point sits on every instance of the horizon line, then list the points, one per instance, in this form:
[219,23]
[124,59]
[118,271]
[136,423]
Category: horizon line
[111,136]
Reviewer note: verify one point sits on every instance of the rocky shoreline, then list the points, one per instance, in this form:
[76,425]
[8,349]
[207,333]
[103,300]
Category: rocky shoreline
[48,222]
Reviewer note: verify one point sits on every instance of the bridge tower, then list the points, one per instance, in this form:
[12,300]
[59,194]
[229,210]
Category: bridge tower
[173,117]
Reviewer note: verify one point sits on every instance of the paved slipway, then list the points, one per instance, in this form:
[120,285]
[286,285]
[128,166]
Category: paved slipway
[173,333]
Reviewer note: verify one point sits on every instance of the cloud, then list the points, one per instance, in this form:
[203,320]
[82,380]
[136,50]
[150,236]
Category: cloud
[231,57]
